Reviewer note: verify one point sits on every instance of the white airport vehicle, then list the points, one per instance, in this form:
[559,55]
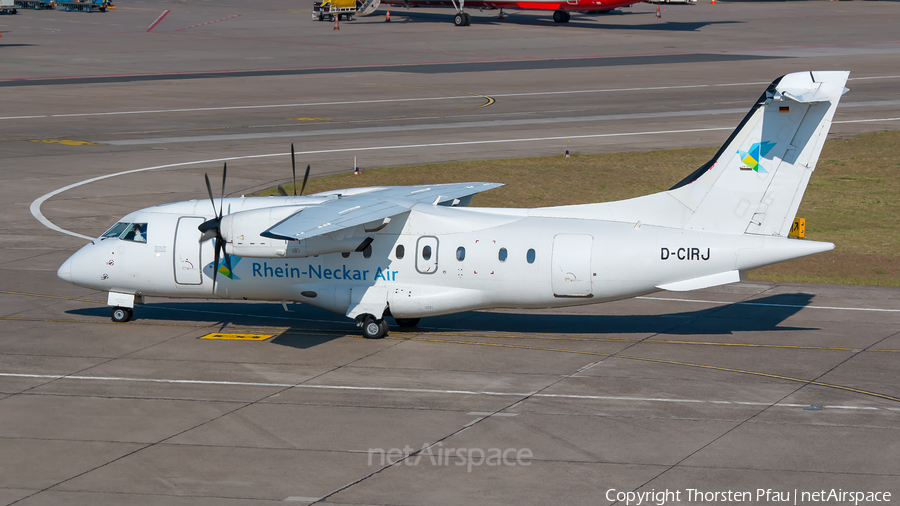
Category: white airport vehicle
[418,251]
[8,6]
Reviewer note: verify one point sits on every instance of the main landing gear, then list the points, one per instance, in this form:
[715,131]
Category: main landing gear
[561,16]
[122,314]
[462,19]
[373,328]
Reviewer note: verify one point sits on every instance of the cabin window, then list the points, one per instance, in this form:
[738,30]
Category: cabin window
[116,230]
[460,253]
[426,253]
[503,254]
[136,232]
[400,251]
[530,256]
[368,251]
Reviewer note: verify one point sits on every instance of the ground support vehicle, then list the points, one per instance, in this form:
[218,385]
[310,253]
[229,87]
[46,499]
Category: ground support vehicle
[84,5]
[34,4]
[328,10]
[7,6]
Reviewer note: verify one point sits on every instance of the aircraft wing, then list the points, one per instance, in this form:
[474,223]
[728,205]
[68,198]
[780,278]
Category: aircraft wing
[354,210]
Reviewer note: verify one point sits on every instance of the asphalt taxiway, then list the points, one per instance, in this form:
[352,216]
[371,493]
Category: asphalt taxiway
[751,386]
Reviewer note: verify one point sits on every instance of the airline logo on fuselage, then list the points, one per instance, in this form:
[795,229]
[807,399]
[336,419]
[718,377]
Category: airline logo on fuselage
[317,272]
[223,267]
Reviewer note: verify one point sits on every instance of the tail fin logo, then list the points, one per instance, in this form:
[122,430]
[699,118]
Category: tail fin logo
[752,157]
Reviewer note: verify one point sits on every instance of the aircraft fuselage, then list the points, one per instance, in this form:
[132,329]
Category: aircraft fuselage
[436,260]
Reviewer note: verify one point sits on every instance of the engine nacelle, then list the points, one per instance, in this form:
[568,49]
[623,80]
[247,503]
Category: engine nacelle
[241,231]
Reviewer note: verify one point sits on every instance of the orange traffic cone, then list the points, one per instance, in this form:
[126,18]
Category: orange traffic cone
[336,26]
[659,15]
[713,2]
[501,14]
[387,17]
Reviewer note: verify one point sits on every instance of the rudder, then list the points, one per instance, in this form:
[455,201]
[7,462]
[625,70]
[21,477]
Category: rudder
[754,184]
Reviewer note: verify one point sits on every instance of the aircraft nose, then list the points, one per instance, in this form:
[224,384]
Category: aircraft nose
[65,270]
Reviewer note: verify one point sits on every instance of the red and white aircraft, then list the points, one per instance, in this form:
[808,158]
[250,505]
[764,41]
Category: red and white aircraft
[560,8]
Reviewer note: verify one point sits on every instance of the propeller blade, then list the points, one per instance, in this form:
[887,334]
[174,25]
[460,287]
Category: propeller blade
[207,235]
[305,178]
[294,170]
[281,191]
[215,266]
[222,200]
[227,256]
[209,189]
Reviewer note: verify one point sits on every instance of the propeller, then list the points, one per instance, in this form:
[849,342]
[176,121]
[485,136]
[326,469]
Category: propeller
[212,228]
[281,190]
[294,171]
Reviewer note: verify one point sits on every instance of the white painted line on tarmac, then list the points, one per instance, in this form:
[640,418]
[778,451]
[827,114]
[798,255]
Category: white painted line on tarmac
[357,102]
[236,107]
[351,132]
[613,90]
[36,205]
[489,123]
[866,120]
[436,391]
[766,304]
[872,77]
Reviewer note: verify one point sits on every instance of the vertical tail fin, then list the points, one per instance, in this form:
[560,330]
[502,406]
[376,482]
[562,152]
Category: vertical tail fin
[754,184]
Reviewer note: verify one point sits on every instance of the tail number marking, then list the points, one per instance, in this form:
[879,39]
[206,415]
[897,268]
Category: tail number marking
[684,254]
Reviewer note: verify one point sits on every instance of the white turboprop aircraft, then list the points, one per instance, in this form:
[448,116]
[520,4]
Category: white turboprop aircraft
[417,251]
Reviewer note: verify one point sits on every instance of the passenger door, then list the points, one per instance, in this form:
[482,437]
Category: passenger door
[188,270]
[571,265]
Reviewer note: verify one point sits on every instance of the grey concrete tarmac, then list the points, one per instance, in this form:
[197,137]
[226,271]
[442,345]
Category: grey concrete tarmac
[752,386]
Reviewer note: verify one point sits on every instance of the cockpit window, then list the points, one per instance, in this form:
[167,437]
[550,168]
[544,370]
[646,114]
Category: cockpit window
[116,230]
[136,232]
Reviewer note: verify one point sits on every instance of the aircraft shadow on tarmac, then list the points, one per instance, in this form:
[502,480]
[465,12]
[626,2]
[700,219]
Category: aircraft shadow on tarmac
[521,19]
[308,326]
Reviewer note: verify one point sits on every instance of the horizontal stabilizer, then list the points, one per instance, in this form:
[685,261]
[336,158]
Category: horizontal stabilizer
[722,278]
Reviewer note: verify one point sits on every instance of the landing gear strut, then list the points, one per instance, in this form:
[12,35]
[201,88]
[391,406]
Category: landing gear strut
[372,328]
[560,16]
[122,314]
[461,18]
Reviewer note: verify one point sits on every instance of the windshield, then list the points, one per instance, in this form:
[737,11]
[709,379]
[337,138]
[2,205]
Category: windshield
[137,232]
[134,232]
[116,230]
